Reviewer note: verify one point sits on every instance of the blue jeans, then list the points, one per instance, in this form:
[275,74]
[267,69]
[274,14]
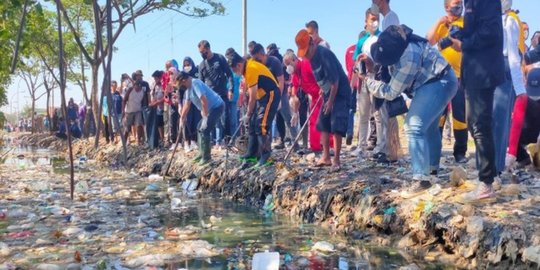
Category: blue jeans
[503,105]
[233,116]
[352,112]
[214,117]
[422,122]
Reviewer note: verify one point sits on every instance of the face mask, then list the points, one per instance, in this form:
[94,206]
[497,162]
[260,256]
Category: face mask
[290,69]
[187,69]
[456,10]
[506,5]
[375,9]
[375,25]
[204,55]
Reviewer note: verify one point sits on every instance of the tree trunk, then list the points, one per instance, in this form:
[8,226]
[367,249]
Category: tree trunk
[33,116]
[48,108]
[94,96]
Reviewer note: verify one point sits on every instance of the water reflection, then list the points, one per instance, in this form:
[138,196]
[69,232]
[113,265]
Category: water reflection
[243,231]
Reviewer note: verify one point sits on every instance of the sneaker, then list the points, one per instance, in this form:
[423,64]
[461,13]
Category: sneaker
[382,159]
[172,147]
[461,159]
[482,192]
[348,141]
[377,155]
[416,188]
[357,152]
[187,148]
[280,146]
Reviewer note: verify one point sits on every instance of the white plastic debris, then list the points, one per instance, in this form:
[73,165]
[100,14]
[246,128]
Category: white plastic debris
[265,261]
[323,246]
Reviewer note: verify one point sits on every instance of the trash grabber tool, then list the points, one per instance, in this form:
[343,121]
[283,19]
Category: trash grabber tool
[301,130]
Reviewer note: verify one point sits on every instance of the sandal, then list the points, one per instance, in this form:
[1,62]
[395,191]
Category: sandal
[335,168]
[321,164]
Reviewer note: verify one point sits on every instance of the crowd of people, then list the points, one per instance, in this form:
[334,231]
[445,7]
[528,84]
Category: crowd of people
[473,62]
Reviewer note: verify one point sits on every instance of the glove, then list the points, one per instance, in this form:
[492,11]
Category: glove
[510,162]
[204,123]
[294,119]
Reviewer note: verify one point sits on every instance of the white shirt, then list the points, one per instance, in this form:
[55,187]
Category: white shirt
[511,51]
[391,18]
[366,48]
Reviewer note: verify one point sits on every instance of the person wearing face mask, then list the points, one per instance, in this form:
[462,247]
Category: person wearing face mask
[506,93]
[527,127]
[420,71]
[215,72]
[514,49]
[364,99]
[208,103]
[263,101]
[482,70]
[390,148]
[452,24]
[194,115]
[299,99]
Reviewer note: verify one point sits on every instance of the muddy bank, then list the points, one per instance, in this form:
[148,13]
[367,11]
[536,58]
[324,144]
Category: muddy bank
[363,201]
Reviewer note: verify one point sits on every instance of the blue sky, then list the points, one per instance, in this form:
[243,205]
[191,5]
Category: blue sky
[268,21]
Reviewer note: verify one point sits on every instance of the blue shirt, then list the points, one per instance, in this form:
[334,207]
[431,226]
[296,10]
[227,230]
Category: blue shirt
[236,88]
[199,89]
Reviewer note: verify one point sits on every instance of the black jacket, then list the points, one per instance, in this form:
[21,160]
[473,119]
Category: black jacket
[533,55]
[482,45]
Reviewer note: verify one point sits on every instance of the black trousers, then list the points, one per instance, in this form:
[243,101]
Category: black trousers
[461,134]
[479,108]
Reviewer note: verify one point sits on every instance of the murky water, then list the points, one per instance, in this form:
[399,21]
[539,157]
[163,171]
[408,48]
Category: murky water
[241,231]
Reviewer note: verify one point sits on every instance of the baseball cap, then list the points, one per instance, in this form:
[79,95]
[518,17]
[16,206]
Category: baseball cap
[272,46]
[302,41]
[533,84]
[390,46]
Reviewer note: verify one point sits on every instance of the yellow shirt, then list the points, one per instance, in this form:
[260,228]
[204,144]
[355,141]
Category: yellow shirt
[450,54]
[258,74]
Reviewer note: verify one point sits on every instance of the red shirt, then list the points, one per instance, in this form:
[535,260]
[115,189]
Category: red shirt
[349,63]
[303,77]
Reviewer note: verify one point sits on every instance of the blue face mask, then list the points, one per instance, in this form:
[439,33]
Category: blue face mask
[457,10]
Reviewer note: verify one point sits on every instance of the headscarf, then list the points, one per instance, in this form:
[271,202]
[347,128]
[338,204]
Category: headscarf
[194,72]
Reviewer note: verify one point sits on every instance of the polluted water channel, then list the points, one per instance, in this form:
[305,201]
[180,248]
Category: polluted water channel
[121,220]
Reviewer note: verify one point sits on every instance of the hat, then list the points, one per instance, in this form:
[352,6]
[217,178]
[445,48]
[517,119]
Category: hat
[533,84]
[272,46]
[139,72]
[390,46]
[302,41]
[157,73]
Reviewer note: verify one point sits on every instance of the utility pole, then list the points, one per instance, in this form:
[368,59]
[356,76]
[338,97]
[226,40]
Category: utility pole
[244,27]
